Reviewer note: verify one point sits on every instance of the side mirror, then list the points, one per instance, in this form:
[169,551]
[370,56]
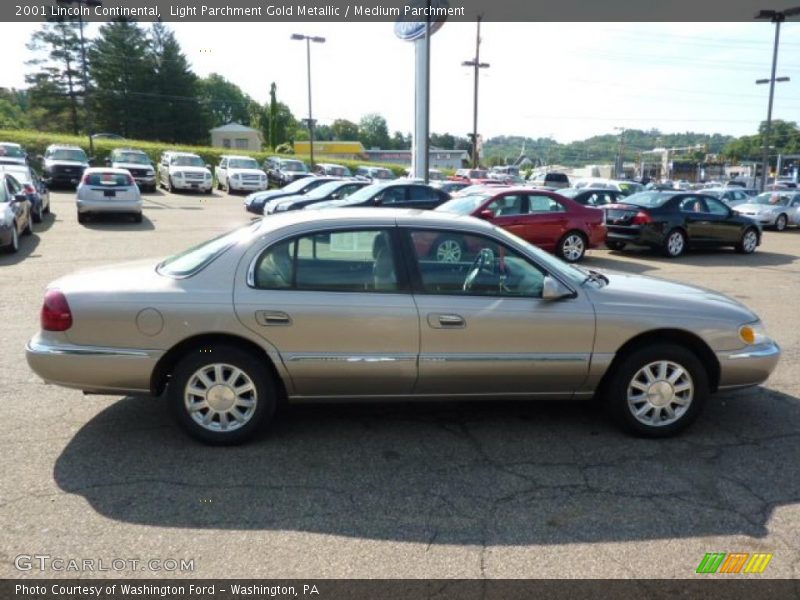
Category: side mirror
[486,214]
[378,201]
[20,198]
[553,289]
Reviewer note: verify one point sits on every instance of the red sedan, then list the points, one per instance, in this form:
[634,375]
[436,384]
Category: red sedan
[545,219]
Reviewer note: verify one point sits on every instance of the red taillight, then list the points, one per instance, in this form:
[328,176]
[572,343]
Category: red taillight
[130,180]
[56,315]
[641,218]
[29,189]
[85,179]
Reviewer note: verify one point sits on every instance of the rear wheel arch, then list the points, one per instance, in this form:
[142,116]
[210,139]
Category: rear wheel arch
[167,363]
[679,337]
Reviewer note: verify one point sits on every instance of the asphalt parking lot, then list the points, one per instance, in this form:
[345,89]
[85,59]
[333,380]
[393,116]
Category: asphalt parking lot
[436,490]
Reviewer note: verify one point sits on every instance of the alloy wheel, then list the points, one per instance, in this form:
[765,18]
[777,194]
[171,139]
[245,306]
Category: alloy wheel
[660,393]
[448,251]
[780,223]
[749,241]
[675,243]
[573,248]
[220,397]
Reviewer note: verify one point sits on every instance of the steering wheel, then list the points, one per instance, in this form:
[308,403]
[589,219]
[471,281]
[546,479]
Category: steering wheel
[485,258]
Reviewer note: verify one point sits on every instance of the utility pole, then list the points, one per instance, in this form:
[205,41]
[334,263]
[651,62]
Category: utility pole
[319,40]
[620,167]
[477,65]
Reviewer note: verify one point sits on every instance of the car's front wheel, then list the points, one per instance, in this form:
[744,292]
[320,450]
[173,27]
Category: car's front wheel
[657,390]
[221,395]
[748,243]
[674,244]
[13,245]
[780,223]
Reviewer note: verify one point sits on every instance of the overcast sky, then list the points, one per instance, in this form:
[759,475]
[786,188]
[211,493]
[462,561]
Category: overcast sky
[568,80]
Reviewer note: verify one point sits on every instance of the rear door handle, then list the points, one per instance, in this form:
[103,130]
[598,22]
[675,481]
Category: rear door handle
[446,321]
[272,317]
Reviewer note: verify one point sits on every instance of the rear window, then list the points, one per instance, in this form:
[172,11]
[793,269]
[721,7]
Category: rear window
[11,150]
[647,199]
[557,177]
[465,205]
[194,259]
[108,179]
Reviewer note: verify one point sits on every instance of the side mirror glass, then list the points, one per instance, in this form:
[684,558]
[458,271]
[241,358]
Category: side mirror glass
[553,289]
[20,198]
[486,214]
[378,201]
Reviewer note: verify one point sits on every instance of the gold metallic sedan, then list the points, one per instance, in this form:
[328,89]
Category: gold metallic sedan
[353,304]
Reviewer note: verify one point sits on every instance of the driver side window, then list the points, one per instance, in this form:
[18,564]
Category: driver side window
[472,265]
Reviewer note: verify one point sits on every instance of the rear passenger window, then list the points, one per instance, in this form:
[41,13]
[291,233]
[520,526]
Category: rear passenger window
[541,203]
[506,206]
[339,261]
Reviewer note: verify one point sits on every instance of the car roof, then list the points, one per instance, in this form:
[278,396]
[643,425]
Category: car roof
[106,170]
[63,147]
[229,156]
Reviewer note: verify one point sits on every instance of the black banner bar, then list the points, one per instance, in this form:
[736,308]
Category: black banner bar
[736,587]
[387,10]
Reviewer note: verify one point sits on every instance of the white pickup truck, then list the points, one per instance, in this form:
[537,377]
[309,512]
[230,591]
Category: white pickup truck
[240,174]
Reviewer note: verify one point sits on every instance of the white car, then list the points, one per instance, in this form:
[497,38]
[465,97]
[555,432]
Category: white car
[12,154]
[240,174]
[184,171]
[107,190]
[777,209]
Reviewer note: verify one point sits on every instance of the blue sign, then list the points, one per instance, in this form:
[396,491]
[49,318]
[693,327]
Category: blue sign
[410,30]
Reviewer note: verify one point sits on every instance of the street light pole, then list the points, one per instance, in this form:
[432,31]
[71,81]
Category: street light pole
[620,168]
[477,65]
[308,39]
[777,17]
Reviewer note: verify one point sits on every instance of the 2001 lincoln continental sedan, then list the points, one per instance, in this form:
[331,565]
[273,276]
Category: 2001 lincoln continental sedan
[351,304]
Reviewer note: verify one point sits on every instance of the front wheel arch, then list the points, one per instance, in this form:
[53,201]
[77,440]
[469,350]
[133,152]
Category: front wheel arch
[167,363]
[676,336]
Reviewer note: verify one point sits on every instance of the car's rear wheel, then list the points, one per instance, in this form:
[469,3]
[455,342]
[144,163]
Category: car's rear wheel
[447,250]
[221,394]
[572,247]
[615,245]
[13,245]
[749,242]
[657,390]
[780,223]
[28,226]
[674,244]
[39,214]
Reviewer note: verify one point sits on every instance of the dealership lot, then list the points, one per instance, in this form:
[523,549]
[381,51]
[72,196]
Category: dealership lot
[437,490]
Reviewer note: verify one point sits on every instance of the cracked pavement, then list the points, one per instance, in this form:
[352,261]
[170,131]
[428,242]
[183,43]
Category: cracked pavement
[462,490]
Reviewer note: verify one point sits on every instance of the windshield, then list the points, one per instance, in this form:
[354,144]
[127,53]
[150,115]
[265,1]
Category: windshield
[465,205]
[192,260]
[337,171]
[138,158]
[628,188]
[294,165]
[242,163]
[647,199]
[301,185]
[324,190]
[361,195]
[187,160]
[569,192]
[771,198]
[76,155]
[11,150]
[382,174]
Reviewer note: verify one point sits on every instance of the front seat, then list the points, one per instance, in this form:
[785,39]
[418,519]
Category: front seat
[383,274]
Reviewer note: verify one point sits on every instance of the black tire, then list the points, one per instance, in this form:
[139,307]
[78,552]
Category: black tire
[572,247]
[231,356]
[38,215]
[47,210]
[617,388]
[137,218]
[219,184]
[781,222]
[209,191]
[672,248]
[29,226]
[170,187]
[746,245]
[81,218]
[615,245]
[448,250]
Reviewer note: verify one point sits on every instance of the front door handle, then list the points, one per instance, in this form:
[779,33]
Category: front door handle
[272,317]
[446,321]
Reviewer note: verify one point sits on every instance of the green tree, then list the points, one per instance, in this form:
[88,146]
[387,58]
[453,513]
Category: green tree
[177,115]
[56,87]
[373,131]
[12,109]
[122,67]
[225,101]
[344,130]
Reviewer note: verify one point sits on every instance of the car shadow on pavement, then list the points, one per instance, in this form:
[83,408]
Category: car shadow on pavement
[696,258]
[462,473]
[27,247]
[112,222]
[48,220]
